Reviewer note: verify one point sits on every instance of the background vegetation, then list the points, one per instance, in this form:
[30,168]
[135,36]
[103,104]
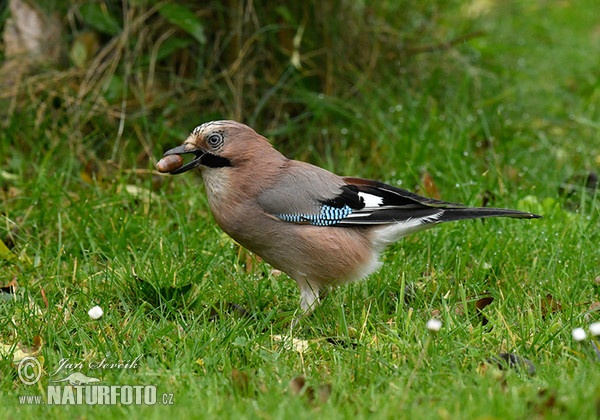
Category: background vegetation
[482,102]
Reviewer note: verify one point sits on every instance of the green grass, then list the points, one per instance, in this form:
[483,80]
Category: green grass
[509,115]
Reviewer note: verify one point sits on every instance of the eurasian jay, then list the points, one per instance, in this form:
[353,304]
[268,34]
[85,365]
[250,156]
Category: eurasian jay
[319,228]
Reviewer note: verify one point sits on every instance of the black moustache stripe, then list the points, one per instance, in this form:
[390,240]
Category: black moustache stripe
[214,161]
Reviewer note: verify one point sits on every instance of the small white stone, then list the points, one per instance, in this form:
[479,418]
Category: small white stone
[434,325]
[96,312]
[595,328]
[579,334]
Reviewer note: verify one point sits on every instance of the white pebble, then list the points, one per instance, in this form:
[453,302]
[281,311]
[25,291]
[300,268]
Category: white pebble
[579,334]
[434,325]
[595,328]
[96,312]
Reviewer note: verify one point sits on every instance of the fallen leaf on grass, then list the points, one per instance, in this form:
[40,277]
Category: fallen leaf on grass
[21,351]
[10,192]
[84,47]
[431,190]
[240,381]
[291,343]
[480,305]
[298,386]
[8,176]
[142,193]
[549,305]
[5,253]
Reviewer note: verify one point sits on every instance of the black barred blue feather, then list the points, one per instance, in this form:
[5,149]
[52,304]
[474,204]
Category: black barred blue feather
[328,216]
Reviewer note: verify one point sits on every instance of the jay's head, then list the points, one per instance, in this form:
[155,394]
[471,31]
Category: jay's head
[216,144]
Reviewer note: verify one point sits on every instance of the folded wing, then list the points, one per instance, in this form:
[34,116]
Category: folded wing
[355,202]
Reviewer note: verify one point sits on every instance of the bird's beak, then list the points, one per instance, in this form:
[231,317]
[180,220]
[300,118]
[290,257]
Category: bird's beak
[181,150]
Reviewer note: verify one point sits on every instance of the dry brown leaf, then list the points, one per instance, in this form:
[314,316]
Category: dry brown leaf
[298,386]
[240,381]
[480,304]
[10,192]
[431,190]
[11,287]
[549,305]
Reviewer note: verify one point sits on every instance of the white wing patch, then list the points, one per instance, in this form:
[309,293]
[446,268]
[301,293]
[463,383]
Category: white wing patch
[370,199]
[390,234]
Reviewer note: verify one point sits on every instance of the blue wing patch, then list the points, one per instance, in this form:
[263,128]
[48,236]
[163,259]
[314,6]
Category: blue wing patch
[328,216]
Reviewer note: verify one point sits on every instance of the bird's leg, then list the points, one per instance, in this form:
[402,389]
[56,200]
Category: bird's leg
[309,300]
[309,297]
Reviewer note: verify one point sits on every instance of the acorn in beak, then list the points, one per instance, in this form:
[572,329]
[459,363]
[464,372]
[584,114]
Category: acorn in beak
[172,161]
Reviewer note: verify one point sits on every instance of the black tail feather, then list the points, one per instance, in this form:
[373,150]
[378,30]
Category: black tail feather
[451,214]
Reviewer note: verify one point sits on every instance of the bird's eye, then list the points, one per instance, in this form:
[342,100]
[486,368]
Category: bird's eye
[214,140]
